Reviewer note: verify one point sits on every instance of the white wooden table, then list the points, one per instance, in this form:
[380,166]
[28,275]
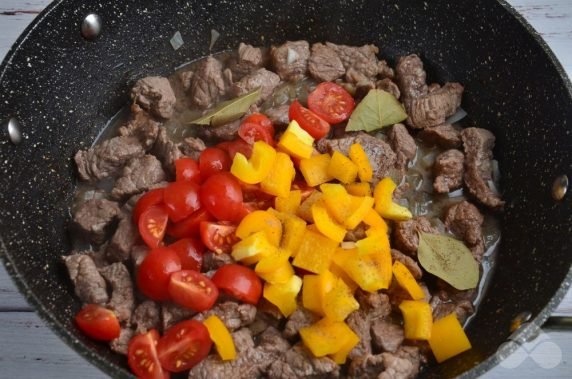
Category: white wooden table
[28,349]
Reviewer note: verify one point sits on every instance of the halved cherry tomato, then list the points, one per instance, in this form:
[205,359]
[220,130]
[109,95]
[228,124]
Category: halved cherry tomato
[236,146]
[98,322]
[304,188]
[191,226]
[218,237]
[253,192]
[152,225]
[256,127]
[239,281]
[183,346]
[193,290]
[331,102]
[187,170]
[153,197]
[308,120]
[190,252]
[181,199]
[251,206]
[221,196]
[213,160]
[154,273]
[142,356]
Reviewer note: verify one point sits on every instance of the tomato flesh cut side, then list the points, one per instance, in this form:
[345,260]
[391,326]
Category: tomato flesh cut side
[98,323]
[331,102]
[218,237]
[142,356]
[183,346]
[153,224]
[308,120]
[240,282]
[193,290]
[236,146]
[155,271]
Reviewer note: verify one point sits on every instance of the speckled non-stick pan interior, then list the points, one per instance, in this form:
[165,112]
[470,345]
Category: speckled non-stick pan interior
[63,89]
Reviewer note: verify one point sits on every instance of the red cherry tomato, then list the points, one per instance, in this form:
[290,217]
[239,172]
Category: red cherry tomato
[181,199]
[239,281]
[256,127]
[218,237]
[183,346]
[154,273]
[190,252]
[187,170]
[142,356]
[303,187]
[191,226]
[236,146]
[153,197]
[152,225]
[331,102]
[308,120]
[98,322]
[221,196]
[213,160]
[193,290]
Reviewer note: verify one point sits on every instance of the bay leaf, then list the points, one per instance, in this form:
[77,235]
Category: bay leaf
[448,259]
[377,110]
[229,110]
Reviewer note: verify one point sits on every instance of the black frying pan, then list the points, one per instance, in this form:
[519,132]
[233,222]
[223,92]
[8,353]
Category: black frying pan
[63,88]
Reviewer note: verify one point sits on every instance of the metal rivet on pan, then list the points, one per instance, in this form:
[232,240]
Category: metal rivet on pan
[14,132]
[91,26]
[560,187]
[519,320]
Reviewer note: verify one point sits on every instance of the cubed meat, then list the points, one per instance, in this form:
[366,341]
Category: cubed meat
[172,313]
[375,304]
[448,171]
[408,262]
[248,60]
[208,83]
[122,241]
[403,144]
[95,217]
[122,300]
[298,362]
[385,71]
[360,322]
[365,367]
[154,94]
[226,132]
[465,221]
[192,147]
[411,77]
[137,254]
[462,309]
[387,335]
[166,150]
[89,285]
[445,135]
[186,79]
[406,234]
[146,316]
[301,318]
[290,60]
[141,126]
[214,261]
[403,364]
[233,315]
[388,86]
[272,341]
[138,176]
[325,65]
[262,78]
[360,58]
[433,108]
[279,115]
[120,345]
[355,234]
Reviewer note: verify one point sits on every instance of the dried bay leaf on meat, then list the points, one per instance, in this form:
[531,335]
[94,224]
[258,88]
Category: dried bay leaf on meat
[229,110]
[377,110]
[448,259]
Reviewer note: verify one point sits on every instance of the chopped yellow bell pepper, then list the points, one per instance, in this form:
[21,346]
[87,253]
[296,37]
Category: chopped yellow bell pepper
[325,336]
[221,337]
[337,200]
[315,252]
[325,224]
[279,180]
[360,207]
[360,158]
[315,169]
[373,219]
[376,243]
[314,290]
[294,228]
[341,355]
[260,221]
[253,248]
[359,189]
[272,261]
[281,275]
[305,209]
[340,273]
[407,281]
[296,141]
[417,319]
[255,169]
[283,295]
[339,302]
[342,168]
[289,203]
[448,338]
[368,271]
[384,205]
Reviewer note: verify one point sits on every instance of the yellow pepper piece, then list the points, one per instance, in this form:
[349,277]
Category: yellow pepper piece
[315,169]
[221,337]
[325,224]
[337,200]
[376,243]
[315,252]
[260,221]
[281,275]
[293,231]
[340,273]
[373,219]
[283,295]
[359,157]
[360,207]
[368,271]
[272,261]
[342,168]
[384,205]
[339,302]
[296,141]
[341,355]
[305,209]
[255,169]
[314,290]
[448,338]
[289,203]
[407,281]
[325,336]
[280,178]
[359,189]
[253,248]
[417,319]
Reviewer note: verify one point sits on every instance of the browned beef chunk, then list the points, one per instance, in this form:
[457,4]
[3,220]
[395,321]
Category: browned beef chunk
[122,300]
[325,65]
[362,82]
[166,150]
[262,78]
[433,108]
[94,218]
[298,362]
[478,144]
[146,316]
[301,318]
[385,71]
[462,309]
[141,126]
[465,221]
[89,284]
[448,171]
[397,294]
[121,343]
[375,304]
[226,132]
[403,144]
[411,77]
[155,95]
[380,154]
[186,78]
[123,240]
[388,86]
[445,135]
[356,234]
[365,367]
[290,59]
[137,254]
[138,176]
[172,313]
[272,341]
[249,59]
[362,58]
[213,261]
[192,147]
[402,365]
[208,83]
[360,322]
[408,262]
[278,115]
[406,235]
[386,335]
[232,314]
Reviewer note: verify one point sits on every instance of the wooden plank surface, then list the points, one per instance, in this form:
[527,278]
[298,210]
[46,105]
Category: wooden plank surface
[29,349]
